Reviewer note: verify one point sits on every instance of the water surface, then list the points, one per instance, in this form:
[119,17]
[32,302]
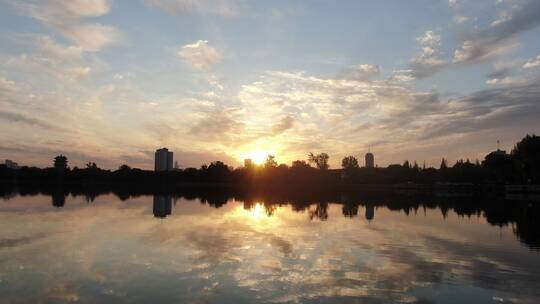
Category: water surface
[156,249]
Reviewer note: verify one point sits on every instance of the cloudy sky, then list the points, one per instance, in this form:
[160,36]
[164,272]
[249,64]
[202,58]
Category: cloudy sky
[111,81]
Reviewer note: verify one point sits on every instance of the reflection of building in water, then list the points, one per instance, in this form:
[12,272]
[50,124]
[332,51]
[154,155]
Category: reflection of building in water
[370,212]
[162,205]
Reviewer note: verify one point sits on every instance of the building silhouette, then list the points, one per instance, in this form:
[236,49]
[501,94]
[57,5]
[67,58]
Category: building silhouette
[163,160]
[248,163]
[11,164]
[370,160]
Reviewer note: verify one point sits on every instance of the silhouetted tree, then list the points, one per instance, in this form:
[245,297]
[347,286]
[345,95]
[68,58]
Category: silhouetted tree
[349,162]
[91,165]
[500,167]
[60,162]
[320,160]
[406,165]
[527,154]
[124,168]
[270,162]
[300,164]
[444,164]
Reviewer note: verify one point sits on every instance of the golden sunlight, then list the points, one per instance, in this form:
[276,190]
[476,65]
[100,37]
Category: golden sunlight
[258,156]
[257,211]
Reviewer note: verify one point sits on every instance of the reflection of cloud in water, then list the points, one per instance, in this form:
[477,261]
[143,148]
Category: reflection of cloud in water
[20,241]
[207,255]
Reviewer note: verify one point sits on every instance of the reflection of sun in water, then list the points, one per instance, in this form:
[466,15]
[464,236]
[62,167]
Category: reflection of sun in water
[258,156]
[257,212]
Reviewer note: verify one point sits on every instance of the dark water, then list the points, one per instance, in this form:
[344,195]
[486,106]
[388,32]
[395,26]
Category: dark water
[157,249]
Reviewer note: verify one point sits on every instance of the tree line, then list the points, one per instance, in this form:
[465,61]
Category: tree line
[520,166]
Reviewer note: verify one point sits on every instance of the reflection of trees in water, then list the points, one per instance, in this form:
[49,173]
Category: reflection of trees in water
[58,199]
[320,212]
[524,217]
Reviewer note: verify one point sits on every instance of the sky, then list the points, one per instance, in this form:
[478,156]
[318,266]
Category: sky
[110,81]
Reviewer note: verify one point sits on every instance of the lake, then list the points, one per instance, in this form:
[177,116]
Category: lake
[173,249]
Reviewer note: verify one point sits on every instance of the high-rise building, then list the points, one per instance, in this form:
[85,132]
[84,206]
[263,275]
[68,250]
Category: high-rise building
[11,164]
[370,160]
[163,160]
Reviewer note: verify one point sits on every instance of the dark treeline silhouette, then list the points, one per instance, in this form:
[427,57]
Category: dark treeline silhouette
[521,166]
[521,216]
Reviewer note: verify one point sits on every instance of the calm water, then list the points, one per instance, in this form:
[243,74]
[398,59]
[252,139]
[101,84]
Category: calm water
[157,249]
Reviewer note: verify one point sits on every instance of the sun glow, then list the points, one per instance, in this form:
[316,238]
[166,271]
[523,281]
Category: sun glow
[257,211]
[258,156]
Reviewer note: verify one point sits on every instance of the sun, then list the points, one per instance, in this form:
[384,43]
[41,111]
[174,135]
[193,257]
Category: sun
[258,156]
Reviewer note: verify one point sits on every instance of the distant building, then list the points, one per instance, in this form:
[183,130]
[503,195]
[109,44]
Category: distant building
[248,163]
[11,164]
[163,160]
[370,160]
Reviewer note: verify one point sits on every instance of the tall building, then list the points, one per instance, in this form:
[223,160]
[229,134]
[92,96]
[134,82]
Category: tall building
[11,164]
[370,160]
[248,163]
[163,160]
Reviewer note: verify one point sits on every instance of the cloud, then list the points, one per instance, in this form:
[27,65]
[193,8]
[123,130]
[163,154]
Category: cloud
[283,125]
[532,63]
[460,19]
[345,115]
[56,11]
[225,8]
[217,125]
[7,85]
[22,118]
[45,54]
[67,17]
[93,37]
[363,71]
[200,54]
[429,60]
[452,3]
[402,76]
[493,40]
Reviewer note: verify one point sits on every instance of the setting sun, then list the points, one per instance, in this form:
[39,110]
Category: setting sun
[258,156]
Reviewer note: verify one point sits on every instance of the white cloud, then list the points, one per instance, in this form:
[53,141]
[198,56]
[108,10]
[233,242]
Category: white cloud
[452,3]
[67,17]
[200,54]
[500,37]
[504,16]
[461,19]
[45,55]
[7,85]
[225,8]
[429,60]
[532,63]
[402,76]
[59,11]
[363,71]
[93,37]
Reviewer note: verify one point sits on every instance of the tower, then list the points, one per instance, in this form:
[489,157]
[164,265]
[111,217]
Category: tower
[163,160]
[370,159]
